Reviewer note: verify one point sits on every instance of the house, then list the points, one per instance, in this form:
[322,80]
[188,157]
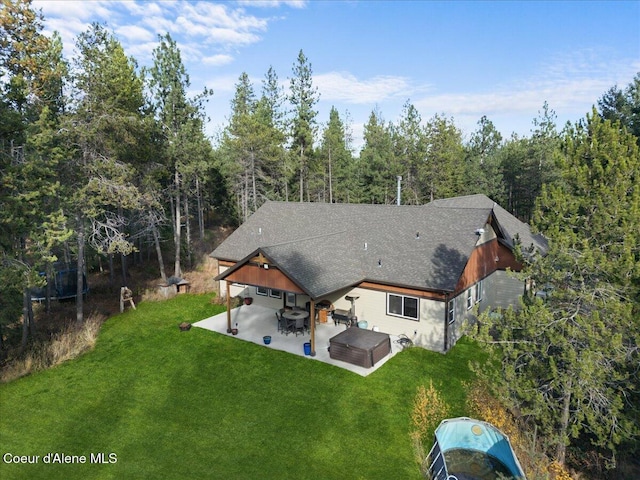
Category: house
[412,270]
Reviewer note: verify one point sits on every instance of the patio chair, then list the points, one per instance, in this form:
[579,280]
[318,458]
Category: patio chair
[282,323]
[299,325]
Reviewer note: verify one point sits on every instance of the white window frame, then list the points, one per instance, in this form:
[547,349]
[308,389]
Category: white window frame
[263,291]
[479,291]
[275,293]
[469,299]
[416,318]
[452,310]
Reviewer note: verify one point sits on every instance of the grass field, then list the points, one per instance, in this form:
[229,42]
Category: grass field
[190,405]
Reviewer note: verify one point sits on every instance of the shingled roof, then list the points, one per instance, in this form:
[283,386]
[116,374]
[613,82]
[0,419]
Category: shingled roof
[327,247]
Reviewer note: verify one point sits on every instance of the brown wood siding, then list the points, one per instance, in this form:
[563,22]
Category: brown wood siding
[403,291]
[226,263]
[483,263]
[261,277]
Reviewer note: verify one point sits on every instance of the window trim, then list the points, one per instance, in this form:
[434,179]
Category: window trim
[403,297]
[479,291]
[451,310]
[275,293]
[470,302]
[264,292]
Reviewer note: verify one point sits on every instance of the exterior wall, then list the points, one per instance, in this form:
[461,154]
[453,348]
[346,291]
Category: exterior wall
[498,290]
[371,306]
[503,290]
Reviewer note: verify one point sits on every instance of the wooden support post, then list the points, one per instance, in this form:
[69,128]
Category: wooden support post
[228,306]
[312,323]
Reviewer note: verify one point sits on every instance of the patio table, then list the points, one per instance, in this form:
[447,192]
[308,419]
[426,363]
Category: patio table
[293,315]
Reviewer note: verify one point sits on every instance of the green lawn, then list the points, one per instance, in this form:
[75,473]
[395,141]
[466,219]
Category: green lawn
[196,404]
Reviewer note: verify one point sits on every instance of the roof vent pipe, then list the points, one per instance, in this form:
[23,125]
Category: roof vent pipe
[398,200]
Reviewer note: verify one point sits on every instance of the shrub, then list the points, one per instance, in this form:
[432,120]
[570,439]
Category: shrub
[65,345]
[428,411]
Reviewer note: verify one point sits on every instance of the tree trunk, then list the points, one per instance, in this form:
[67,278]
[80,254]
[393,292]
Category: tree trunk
[245,197]
[301,174]
[177,231]
[561,449]
[26,300]
[156,241]
[200,210]
[50,276]
[111,272]
[253,182]
[123,265]
[80,267]
[188,227]
[330,179]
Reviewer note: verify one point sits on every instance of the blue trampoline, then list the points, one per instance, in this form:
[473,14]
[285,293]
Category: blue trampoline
[64,285]
[468,449]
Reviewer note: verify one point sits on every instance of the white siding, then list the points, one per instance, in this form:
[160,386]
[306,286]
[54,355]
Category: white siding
[500,289]
[503,290]
[371,306]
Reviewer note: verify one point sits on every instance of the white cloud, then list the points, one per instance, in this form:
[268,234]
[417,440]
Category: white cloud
[146,9]
[570,84]
[87,11]
[134,34]
[274,3]
[345,87]
[217,60]
[218,24]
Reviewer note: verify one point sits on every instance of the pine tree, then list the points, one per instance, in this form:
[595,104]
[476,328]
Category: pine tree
[32,224]
[336,161]
[442,171]
[181,121]
[377,171]
[303,96]
[570,362]
[483,173]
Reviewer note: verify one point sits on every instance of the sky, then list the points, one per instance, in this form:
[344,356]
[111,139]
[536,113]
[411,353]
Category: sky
[459,59]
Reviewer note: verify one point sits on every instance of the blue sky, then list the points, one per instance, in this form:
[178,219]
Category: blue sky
[460,59]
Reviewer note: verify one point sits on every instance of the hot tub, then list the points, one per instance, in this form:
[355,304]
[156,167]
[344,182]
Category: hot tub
[360,347]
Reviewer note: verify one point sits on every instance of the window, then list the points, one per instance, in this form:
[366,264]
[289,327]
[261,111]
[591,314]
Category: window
[291,299]
[479,289]
[469,299]
[402,306]
[275,293]
[261,291]
[452,310]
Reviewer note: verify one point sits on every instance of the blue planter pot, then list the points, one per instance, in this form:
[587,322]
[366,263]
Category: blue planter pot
[266,339]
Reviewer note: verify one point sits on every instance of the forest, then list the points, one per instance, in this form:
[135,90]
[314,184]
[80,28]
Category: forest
[101,160]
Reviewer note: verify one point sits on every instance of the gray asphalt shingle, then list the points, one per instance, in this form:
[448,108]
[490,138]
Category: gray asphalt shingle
[326,247]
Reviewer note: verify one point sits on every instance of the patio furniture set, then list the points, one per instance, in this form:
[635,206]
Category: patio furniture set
[293,321]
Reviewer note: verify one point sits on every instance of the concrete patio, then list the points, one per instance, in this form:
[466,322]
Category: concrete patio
[254,322]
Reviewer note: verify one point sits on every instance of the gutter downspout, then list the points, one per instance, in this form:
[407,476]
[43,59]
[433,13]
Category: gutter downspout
[228,306]
[312,325]
[446,322]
